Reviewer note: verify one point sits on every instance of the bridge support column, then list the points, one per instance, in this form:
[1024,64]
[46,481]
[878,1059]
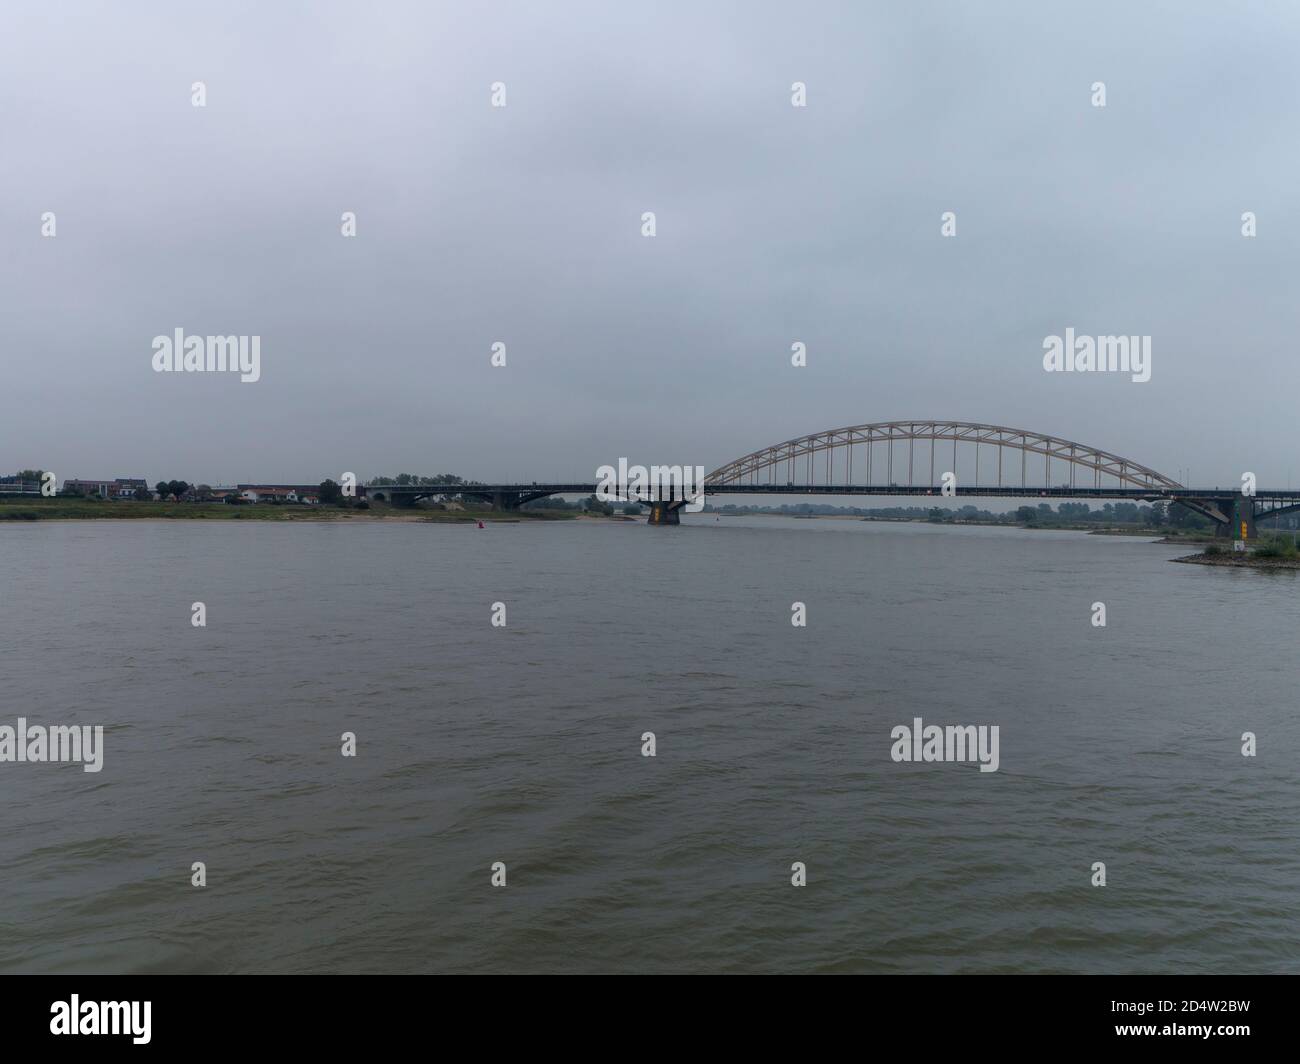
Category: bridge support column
[505,500]
[1241,519]
[665,513]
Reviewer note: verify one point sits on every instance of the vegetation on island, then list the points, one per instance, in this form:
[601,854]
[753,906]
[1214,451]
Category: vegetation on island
[1269,551]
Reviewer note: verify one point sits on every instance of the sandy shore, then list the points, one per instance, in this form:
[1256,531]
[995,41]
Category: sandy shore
[1239,560]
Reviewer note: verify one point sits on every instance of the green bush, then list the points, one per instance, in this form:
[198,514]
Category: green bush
[1275,547]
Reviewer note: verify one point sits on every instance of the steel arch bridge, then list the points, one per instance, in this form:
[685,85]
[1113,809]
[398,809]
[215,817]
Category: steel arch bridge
[875,443]
[880,458]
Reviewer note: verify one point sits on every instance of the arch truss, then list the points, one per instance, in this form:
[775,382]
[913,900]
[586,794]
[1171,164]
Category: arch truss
[886,454]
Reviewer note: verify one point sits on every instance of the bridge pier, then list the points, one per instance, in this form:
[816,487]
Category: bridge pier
[665,513]
[1241,519]
[1233,515]
[506,500]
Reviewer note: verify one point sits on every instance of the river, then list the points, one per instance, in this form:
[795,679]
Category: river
[522,744]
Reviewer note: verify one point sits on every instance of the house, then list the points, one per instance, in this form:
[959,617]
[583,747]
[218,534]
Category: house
[267,493]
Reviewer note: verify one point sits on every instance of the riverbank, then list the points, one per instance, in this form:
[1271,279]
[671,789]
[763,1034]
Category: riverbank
[86,509]
[1247,559]
[37,509]
[1163,534]
[1159,535]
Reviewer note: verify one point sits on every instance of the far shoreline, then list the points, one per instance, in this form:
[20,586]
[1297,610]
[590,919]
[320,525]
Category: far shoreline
[28,511]
[24,511]
[16,511]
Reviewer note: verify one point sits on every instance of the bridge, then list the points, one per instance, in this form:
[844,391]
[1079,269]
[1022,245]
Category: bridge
[824,463]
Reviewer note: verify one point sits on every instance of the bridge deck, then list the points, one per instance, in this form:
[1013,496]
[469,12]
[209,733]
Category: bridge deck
[1289,496]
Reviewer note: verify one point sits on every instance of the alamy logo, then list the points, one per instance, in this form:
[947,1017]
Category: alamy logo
[179,353]
[1098,354]
[102,1017]
[956,742]
[636,483]
[75,743]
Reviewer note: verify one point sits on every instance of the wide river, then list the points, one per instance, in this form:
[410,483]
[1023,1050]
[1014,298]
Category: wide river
[522,744]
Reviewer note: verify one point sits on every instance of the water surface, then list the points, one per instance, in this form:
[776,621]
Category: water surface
[523,745]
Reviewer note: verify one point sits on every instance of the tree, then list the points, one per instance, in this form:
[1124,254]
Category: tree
[415,480]
[143,494]
[1026,514]
[161,488]
[1181,516]
[330,492]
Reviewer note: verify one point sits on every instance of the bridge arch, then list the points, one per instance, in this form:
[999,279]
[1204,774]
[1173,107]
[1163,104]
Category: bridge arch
[875,443]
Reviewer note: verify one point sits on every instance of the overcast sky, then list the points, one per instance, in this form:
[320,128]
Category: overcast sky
[522,224]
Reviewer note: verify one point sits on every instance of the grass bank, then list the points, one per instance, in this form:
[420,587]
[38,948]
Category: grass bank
[128,510]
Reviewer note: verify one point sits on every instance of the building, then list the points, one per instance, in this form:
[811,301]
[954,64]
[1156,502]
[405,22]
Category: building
[14,486]
[267,493]
[119,488]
